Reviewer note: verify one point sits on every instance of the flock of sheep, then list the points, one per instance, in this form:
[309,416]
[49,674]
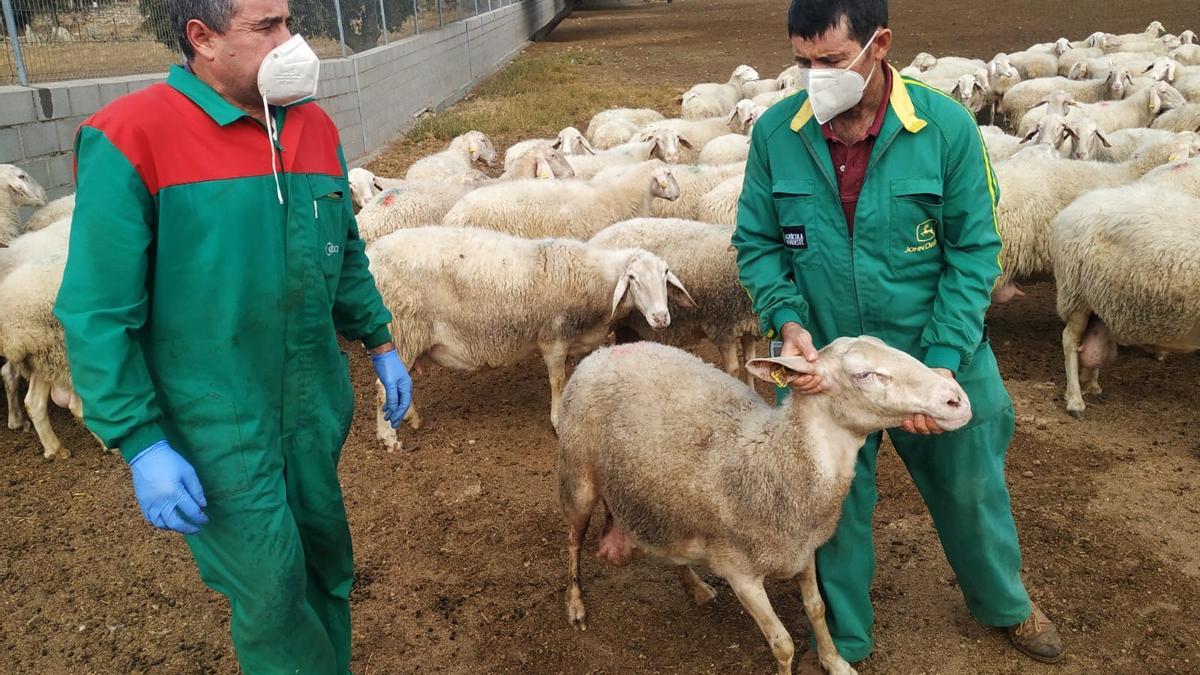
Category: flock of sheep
[624,230]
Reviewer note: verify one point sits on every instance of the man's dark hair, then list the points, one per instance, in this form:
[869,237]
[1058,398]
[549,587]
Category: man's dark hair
[216,14]
[809,18]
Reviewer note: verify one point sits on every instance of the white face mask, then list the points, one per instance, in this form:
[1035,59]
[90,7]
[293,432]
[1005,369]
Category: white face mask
[833,91]
[289,74]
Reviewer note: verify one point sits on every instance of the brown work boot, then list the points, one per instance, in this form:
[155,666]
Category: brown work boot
[1037,638]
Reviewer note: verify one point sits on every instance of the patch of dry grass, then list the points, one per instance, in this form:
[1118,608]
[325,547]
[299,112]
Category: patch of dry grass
[538,94]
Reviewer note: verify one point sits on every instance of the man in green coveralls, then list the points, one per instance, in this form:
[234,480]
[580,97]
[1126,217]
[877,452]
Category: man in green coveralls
[869,208]
[213,260]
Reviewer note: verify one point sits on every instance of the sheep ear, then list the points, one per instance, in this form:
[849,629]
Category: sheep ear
[1038,104]
[1155,101]
[376,184]
[780,369]
[686,143]
[543,169]
[1103,139]
[731,116]
[680,293]
[1172,69]
[587,146]
[1068,131]
[619,294]
[957,90]
[1030,135]
[557,144]
[979,85]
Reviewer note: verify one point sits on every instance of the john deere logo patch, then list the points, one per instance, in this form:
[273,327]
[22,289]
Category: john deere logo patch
[926,236]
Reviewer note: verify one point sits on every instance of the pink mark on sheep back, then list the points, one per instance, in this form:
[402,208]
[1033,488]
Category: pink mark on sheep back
[389,199]
[626,349]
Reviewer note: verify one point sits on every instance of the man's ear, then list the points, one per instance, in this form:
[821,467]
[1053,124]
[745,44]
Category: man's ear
[882,45]
[201,38]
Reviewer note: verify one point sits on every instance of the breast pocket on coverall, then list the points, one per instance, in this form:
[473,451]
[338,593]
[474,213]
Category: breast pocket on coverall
[329,214]
[800,226]
[916,227]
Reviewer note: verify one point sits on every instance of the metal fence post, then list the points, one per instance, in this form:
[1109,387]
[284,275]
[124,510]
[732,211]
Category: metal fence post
[439,6]
[416,18]
[337,7]
[15,40]
[383,22]
[476,7]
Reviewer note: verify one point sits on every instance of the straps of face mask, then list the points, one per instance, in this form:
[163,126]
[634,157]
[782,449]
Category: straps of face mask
[272,137]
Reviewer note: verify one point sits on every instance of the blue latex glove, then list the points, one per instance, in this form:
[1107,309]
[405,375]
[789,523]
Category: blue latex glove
[168,490]
[397,385]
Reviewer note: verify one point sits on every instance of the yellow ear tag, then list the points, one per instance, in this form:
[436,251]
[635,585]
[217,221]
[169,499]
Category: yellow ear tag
[780,377]
[542,172]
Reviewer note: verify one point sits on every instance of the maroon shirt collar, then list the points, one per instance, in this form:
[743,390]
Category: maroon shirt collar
[880,114]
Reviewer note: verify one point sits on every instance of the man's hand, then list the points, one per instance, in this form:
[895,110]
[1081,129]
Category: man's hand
[923,424]
[798,342]
[168,490]
[397,384]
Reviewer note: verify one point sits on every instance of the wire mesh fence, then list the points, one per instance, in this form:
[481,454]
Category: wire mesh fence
[51,40]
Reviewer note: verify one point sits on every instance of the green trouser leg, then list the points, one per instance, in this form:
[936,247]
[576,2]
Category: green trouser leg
[280,551]
[961,477]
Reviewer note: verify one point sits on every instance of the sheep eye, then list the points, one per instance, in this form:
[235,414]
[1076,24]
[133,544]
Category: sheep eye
[863,376]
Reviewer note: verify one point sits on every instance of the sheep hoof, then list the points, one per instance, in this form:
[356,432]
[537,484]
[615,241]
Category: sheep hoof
[1077,414]
[576,612]
[703,594]
[59,453]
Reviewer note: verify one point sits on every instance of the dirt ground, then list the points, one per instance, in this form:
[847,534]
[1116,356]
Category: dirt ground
[460,545]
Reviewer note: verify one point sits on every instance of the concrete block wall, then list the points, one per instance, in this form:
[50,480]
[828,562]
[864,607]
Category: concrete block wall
[371,96]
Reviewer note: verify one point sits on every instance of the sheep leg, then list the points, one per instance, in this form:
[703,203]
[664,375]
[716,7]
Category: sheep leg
[729,356]
[753,597]
[37,404]
[75,405]
[749,353]
[555,356]
[814,608]
[1091,382]
[579,500]
[1072,333]
[17,421]
[383,429]
[700,592]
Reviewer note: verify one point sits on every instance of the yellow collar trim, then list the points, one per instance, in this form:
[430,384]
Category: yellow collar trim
[901,105]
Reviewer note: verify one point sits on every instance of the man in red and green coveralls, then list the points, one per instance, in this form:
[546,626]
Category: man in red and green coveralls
[211,266]
[869,208]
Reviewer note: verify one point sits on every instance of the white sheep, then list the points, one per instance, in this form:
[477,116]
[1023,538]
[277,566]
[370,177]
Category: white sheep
[17,189]
[719,205]
[1122,144]
[52,212]
[570,142]
[1000,146]
[1182,176]
[610,128]
[1069,59]
[1028,93]
[713,475]
[1187,53]
[1034,189]
[791,77]
[460,156]
[575,209]
[764,86]
[694,182]
[662,145]
[1001,77]
[695,133]
[1127,271]
[725,149]
[712,99]
[972,91]
[948,69]
[467,299]
[700,255]
[771,98]
[1138,109]
[31,341]
[922,62]
[1058,103]
[415,203]
[1032,65]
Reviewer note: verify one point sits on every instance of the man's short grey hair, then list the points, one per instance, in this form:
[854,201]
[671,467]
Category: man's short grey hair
[216,14]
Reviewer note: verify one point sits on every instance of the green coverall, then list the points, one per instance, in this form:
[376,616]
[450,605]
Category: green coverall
[917,273]
[199,309]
